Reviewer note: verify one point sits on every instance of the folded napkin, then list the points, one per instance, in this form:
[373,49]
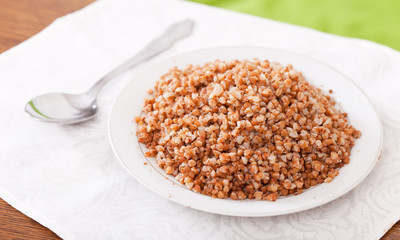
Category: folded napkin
[66,177]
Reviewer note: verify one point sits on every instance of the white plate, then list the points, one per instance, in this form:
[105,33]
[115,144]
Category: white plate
[362,115]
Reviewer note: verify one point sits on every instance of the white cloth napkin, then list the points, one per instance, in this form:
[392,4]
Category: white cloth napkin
[66,177]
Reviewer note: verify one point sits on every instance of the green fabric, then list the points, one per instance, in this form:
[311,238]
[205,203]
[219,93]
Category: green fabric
[375,20]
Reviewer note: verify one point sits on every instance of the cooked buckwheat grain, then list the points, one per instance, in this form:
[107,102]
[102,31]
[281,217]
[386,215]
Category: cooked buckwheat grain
[244,129]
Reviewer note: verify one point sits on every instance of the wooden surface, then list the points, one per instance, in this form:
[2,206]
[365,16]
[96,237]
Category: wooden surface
[20,20]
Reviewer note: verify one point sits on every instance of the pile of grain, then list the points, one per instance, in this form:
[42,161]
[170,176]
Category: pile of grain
[244,129]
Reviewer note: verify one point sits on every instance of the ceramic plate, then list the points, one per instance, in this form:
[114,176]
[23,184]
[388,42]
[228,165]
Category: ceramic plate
[352,100]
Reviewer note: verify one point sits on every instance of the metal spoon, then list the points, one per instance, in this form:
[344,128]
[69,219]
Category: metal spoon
[73,108]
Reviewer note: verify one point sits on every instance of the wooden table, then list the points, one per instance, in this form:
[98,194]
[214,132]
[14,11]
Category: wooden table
[19,20]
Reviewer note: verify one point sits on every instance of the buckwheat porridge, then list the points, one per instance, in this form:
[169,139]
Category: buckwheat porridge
[244,130]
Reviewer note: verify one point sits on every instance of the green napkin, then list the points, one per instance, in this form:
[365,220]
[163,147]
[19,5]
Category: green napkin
[378,21]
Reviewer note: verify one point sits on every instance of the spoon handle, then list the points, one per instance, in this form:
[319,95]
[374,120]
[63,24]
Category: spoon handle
[174,33]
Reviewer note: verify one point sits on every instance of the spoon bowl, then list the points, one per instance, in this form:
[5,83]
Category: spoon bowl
[62,107]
